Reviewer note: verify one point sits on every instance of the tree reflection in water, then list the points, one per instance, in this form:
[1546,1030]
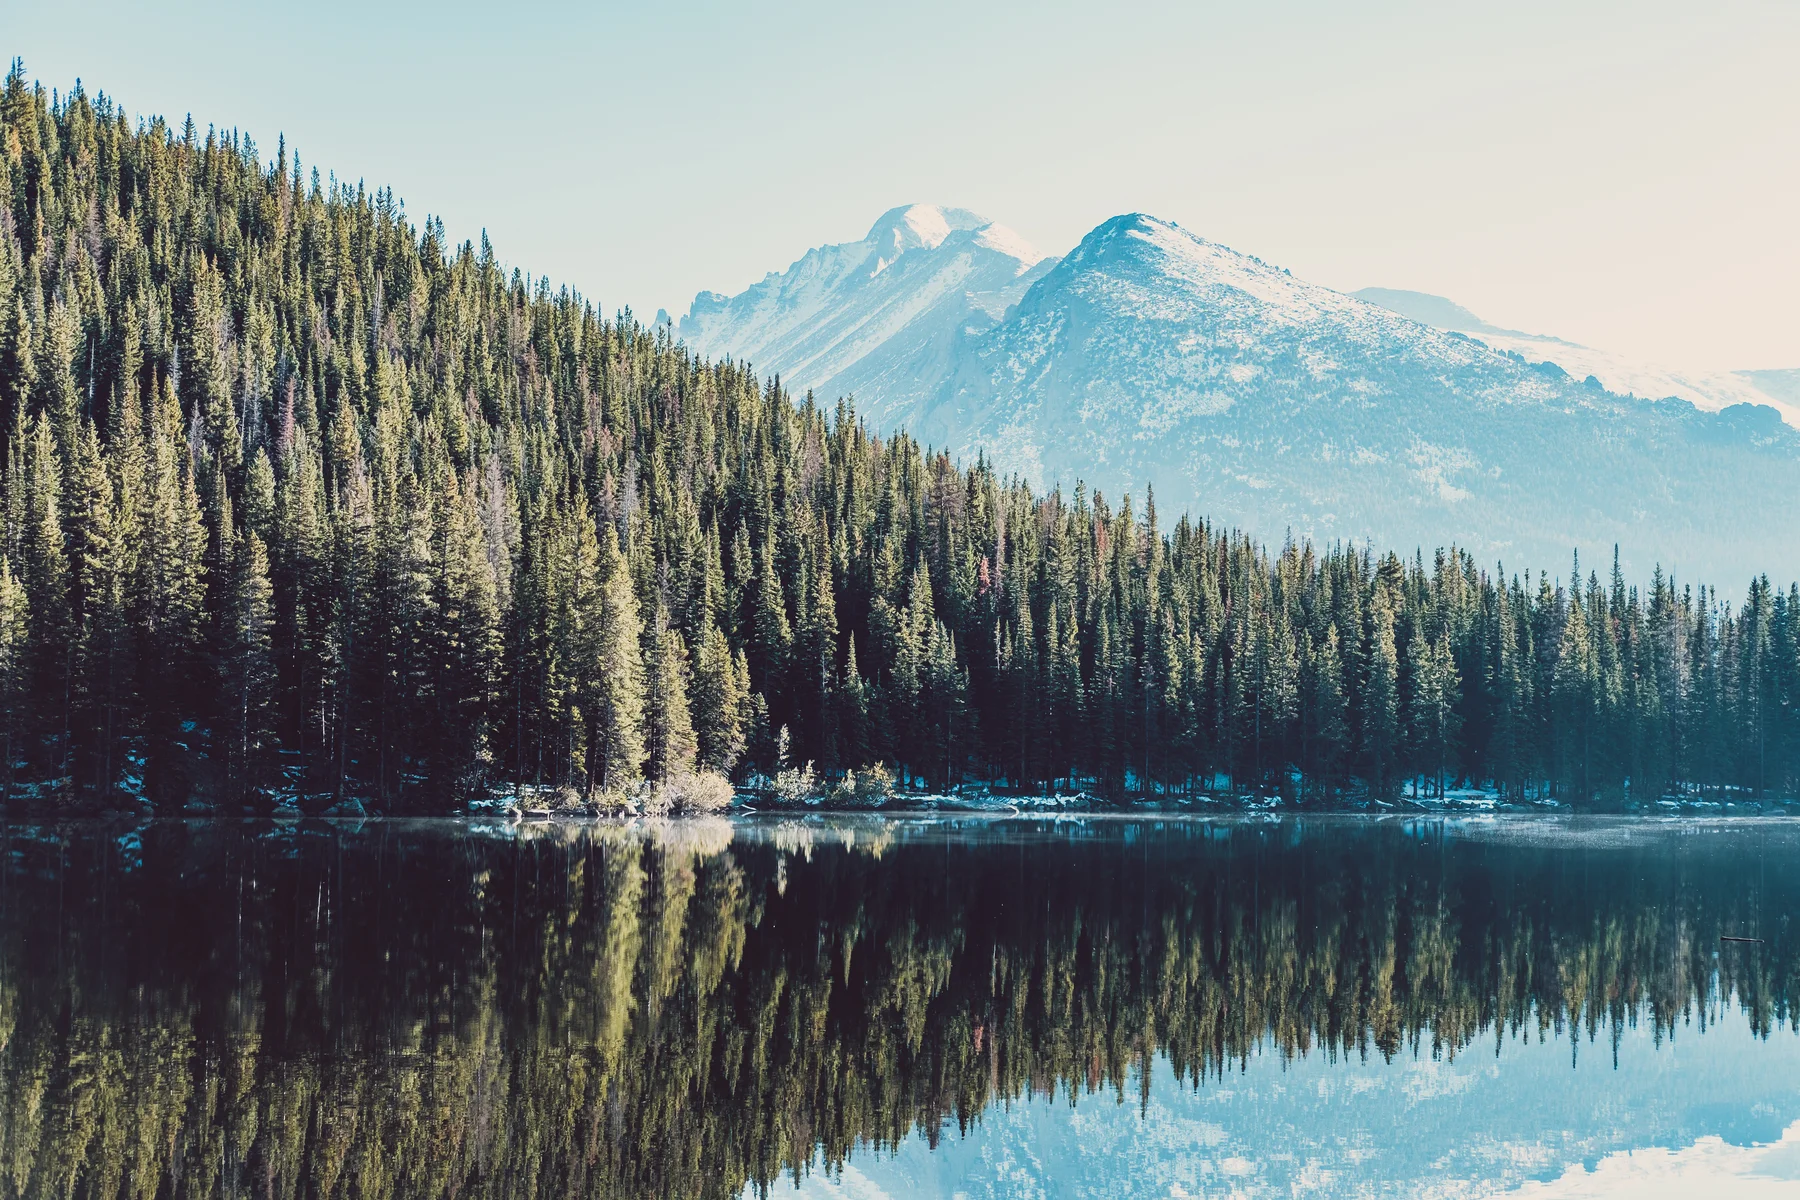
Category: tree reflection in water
[406,1009]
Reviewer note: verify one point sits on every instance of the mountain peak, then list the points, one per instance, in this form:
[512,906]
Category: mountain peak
[1142,236]
[844,314]
[1111,229]
[1153,356]
[915,226]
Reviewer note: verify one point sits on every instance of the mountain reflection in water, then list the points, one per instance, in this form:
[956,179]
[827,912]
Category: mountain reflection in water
[401,1009]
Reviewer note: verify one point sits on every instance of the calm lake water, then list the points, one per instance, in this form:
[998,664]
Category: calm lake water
[912,1007]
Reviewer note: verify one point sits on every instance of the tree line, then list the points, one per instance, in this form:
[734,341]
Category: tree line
[301,499]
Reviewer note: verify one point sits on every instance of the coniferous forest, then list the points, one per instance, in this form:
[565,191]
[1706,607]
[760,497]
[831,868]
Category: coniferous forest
[302,500]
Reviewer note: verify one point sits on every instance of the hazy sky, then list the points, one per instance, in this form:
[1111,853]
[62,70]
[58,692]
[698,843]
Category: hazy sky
[1625,175]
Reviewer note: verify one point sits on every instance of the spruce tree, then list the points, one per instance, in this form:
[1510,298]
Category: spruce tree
[1436,689]
[669,740]
[50,638]
[15,681]
[1330,712]
[1381,697]
[616,746]
[246,665]
[720,699]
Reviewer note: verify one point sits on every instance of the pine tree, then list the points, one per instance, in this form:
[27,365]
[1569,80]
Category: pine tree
[100,562]
[816,669]
[1066,713]
[50,640]
[616,738]
[1436,691]
[852,694]
[15,681]
[1509,737]
[60,400]
[463,642]
[720,700]
[669,739]
[1019,694]
[1330,712]
[1278,668]
[168,597]
[206,366]
[771,633]
[1573,698]
[246,665]
[1381,697]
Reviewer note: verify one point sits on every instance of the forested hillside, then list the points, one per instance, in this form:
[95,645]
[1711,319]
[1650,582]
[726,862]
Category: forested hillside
[301,498]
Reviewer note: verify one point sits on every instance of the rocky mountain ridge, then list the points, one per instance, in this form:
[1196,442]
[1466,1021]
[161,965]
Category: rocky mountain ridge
[1150,357]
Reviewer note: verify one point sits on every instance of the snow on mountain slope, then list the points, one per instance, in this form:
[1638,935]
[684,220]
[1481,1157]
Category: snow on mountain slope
[853,318]
[1151,356]
[1710,390]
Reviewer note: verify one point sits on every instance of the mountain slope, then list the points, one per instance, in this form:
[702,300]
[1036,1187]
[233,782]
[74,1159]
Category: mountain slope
[1151,356]
[1710,390]
[861,317]
[1427,309]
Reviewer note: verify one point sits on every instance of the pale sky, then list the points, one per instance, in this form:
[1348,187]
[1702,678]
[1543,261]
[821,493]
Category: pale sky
[1625,175]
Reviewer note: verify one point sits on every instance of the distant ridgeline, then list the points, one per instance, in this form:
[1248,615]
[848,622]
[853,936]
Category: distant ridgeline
[299,498]
[588,1011]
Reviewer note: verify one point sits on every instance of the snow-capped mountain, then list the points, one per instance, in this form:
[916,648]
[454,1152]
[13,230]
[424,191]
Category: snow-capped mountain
[1710,390]
[868,317]
[1151,356]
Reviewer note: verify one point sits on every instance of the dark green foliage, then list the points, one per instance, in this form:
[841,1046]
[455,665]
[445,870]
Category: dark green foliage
[297,495]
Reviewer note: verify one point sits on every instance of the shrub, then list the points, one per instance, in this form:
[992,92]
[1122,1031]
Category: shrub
[796,786]
[704,791]
[690,792]
[866,788]
[614,801]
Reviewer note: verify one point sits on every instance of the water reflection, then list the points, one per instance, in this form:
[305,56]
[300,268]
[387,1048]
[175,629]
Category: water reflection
[696,1009]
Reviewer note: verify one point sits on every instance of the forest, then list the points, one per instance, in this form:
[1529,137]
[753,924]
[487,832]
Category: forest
[305,504]
[377,1009]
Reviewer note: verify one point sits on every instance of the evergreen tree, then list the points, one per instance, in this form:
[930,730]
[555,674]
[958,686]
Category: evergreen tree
[720,700]
[50,636]
[1330,713]
[1381,696]
[463,642]
[669,739]
[15,691]
[1436,690]
[616,701]
[246,664]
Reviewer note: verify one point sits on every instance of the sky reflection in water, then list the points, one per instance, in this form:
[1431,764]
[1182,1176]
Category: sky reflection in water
[1524,1121]
[900,1008]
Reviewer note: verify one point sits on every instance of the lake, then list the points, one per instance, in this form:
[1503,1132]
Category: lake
[924,1006]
